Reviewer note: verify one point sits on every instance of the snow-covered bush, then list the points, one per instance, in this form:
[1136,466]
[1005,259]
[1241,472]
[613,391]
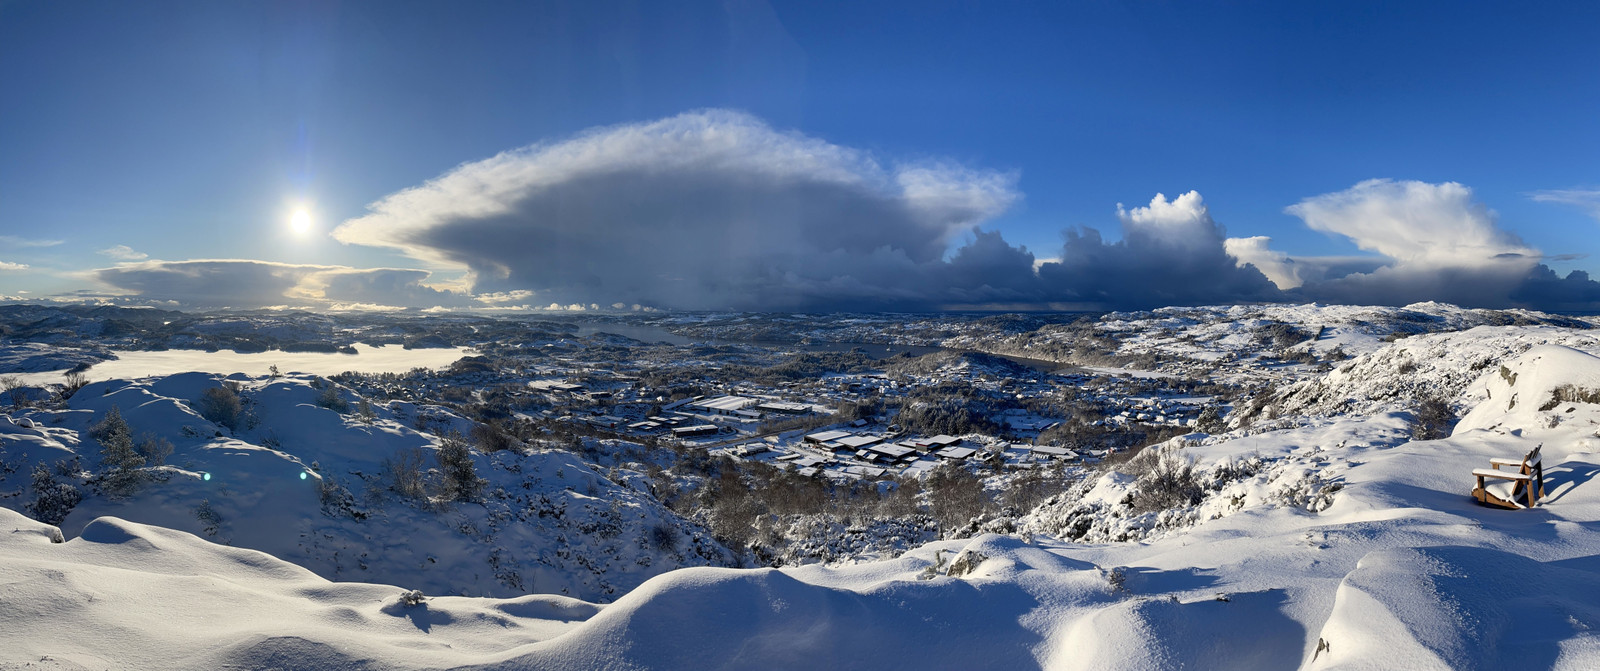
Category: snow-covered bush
[330,398]
[663,538]
[52,500]
[1431,418]
[1166,480]
[208,516]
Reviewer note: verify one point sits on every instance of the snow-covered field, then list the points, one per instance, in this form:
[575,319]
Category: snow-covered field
[1325,538]
[130,365]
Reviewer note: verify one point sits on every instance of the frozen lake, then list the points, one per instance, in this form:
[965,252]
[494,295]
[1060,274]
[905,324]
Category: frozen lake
[368,359]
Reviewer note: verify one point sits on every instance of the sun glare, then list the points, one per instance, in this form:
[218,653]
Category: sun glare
[300,222]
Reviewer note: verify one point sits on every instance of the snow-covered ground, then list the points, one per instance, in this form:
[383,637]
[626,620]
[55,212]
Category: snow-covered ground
[547,521]
[135,364]
[1320,538]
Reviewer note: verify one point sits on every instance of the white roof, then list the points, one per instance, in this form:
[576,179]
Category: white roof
[1054,451]
[895,451]
[859,441]
[826,436]
[725,403]
[956,452]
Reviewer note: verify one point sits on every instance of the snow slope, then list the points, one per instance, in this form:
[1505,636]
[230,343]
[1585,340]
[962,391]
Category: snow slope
[1397,567]
[547,521]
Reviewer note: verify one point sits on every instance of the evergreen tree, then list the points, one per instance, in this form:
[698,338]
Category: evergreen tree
[117,452]
[460,476]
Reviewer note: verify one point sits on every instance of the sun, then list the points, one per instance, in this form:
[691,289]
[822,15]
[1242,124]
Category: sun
[300,222]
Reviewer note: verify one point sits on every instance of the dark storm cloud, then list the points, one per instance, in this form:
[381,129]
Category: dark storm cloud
[704,210]
[245,284]
[1171,253]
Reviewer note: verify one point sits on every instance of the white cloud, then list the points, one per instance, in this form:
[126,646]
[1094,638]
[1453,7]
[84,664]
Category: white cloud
[1439,244]
[1181,222]
[1171,253]
[705,209]
[1254,251]
[1586,199]
[1419,225]
[124,253]
[15,241]
[7,265]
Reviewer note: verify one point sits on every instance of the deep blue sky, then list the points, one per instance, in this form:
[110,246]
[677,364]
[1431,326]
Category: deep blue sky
[186,130]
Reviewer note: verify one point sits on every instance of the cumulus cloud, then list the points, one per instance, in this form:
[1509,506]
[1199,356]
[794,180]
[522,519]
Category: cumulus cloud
[1171,253]
[1419,225]
[7,265]
[1435,242]
[1256,251]
[124,253]
[709,209]
[1442,244]
[246,284]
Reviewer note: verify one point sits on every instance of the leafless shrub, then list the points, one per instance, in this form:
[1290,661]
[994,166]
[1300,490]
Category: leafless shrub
[956,495]
[403,472]
[1166,480]
[222,406]
[75,381]
[14,389]
[492,437]
[154,449]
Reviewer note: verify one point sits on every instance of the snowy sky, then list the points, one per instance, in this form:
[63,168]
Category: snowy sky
[799,155]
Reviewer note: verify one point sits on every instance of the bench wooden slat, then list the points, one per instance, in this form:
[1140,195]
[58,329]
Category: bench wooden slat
[1503,475]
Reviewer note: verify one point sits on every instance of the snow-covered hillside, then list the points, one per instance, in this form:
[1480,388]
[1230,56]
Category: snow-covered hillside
[1317,534]
[315,486]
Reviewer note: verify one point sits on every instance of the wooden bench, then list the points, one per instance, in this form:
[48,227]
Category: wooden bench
[1525,482]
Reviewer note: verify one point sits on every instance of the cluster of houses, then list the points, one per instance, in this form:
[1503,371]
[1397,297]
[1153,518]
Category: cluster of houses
[861,455]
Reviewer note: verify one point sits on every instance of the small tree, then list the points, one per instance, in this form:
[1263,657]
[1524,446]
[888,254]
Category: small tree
[221,405]
[1210,421]
[117,452]
[1431,418]
[460,475]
